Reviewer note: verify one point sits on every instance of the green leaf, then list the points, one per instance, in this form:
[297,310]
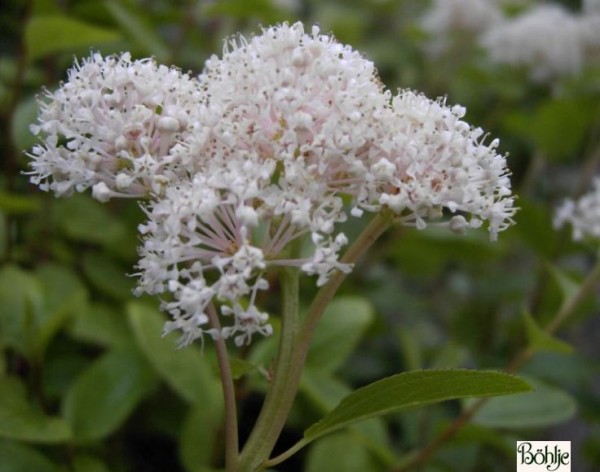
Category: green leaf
[21,300]
[144,36]
[14,204]
[103,325]
[534,224]
[540,340]
[340,452]
[543,407]
[240,367]
[568,286]
[107,276]
[411,390]
[18,457]
[20,420]
[450,356]
[106,393]
[244,9]
[325,392]
[50,34]
[557,127]
[423,253]
[25,114]
[200,436]
[44,7]
[343,324]
[34,308]
[64,296]
[85,220]
[186,370]
[88,464]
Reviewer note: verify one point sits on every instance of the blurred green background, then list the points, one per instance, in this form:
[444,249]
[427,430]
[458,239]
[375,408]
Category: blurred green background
[88,385]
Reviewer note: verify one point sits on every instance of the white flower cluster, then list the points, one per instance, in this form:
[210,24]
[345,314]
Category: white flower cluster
[435,161]
[112,127]
[273,145]
[446,18]
[583,215]
[547,40]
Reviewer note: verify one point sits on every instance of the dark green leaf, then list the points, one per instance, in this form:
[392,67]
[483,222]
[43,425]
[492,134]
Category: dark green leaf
[33,309]
[325,392]
[20,420]
[186,370]
[557,127]
[240,367]
[411,390]
[88,464]
[243,9]
[144,36]
[103,325]
[343,324]
[107,276]
[25,114]
[427,252]
[18,457]
[534,224]
[540,340]
[200,436]
[50,34]
[85,220]
[64,296]
[13,204]
[568,286]
[21,301]
[545,406]
[106,393]
[340,452]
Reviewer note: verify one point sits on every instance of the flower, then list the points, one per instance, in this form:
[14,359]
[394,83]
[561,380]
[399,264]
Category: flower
[583,214]
[546,40]
[435,162]
[447,17]
[288,120]
[112,126]
[254,164]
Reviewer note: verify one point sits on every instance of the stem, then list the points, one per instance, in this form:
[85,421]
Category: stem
[278,401]
[521,358]
[370,234]
[287,380]
[231,426]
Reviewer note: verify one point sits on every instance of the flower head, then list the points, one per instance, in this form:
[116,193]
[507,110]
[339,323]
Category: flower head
[583,214]
[290,118]
[546,40]
[448,17]
[112,126]
[433,161]
[254,164]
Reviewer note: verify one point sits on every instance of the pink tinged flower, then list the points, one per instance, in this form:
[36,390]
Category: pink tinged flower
[199,248]
[298,99]
[436,163]
[112,126]
[293,127]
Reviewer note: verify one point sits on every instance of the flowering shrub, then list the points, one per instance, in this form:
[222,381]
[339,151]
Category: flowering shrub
[316,246]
